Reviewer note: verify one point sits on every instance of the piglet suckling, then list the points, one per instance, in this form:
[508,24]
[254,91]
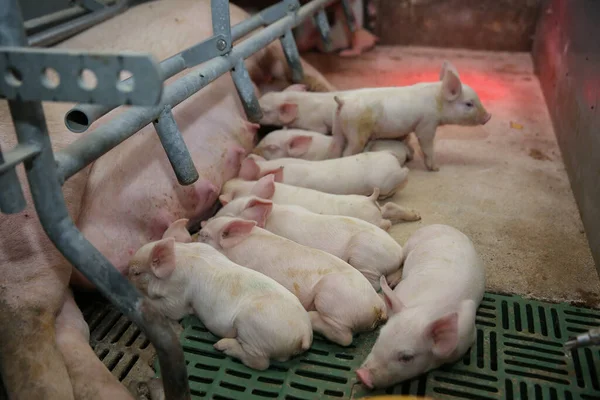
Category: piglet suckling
[432,310]
[299,143]
[357,174]
[351,205]
[420,108]
[364,246]
[257,318]
[339,299]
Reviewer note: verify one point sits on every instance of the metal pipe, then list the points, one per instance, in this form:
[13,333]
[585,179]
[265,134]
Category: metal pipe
[175,147]
[290,50]
[324,29]
[589,338]
[20,153]
[30,127]
[80,117]
[245,90]
[12,200]
[61,15]
[349,13]
[87,149]
[68,29]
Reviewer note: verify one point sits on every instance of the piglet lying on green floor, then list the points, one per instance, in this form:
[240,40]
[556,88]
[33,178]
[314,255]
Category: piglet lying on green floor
[257,318]
[432,310]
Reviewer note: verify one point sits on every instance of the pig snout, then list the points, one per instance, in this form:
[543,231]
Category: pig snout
[364,376]
[486,117]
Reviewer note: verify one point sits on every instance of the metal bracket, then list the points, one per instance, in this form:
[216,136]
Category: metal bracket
[324,30]
[75,76]
[290,50]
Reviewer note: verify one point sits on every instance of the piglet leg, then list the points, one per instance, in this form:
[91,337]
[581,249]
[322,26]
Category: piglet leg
[233,348]
[394,278]
[322,325]
[396,213]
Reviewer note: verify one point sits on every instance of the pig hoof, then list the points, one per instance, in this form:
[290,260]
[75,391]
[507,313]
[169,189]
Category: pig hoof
[433,168]
[412,216]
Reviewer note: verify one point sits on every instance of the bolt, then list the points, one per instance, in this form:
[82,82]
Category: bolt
[221,44]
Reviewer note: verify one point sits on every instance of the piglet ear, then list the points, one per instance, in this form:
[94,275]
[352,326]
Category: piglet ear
[288,112]
[162,258]
[235,232]
[249,169]
[225,198]
[444,332]
[258,210]
[451,85]
[265,187]
[277,174]
[392,302]
[299,145]
[203,224]
[178,231]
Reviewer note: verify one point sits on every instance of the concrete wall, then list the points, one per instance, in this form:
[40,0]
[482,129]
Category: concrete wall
[567,58]
[505,25]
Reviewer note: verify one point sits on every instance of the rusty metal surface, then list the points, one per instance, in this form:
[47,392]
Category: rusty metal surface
[567,59]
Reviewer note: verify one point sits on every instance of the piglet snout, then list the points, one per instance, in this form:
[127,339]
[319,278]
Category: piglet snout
[486,118]
[364,376]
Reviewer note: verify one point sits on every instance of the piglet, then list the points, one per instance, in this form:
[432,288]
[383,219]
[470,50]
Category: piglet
[432,310]
[350,205]
[299,143]
[401,149]
[339,300]
[358,174]
[420,108]
[257,318]
[366,247]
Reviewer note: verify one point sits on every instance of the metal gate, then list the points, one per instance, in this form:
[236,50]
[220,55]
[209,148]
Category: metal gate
[24,88]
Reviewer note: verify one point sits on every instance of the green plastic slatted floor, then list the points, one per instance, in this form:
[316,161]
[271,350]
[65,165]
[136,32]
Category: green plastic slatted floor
[518,354]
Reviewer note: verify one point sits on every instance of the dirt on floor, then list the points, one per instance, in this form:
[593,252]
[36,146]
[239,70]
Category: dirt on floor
[503,184]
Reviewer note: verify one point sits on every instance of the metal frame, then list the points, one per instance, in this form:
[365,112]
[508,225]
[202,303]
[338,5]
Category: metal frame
[47,172]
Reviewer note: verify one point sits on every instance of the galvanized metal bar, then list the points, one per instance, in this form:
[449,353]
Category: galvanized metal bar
[80,117]
[85,150]
[30,126]
[324,29]
[12,200]
[21,152]
[350,20]
[62,75]
[175,147]
[290,50]
[44,20]
[68,29]
[92,5]
[245,89]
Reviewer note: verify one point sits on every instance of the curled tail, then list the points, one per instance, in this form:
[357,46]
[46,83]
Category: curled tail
[373,197]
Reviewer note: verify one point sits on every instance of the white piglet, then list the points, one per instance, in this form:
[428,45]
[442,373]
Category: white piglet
[432,310]
[257,318]
[366,247]
[351,205]
[299,143]
[339,300]
[419,108]
[399,148]
[358,174]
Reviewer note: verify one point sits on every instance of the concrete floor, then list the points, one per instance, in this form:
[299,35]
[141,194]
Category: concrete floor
[504,184]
